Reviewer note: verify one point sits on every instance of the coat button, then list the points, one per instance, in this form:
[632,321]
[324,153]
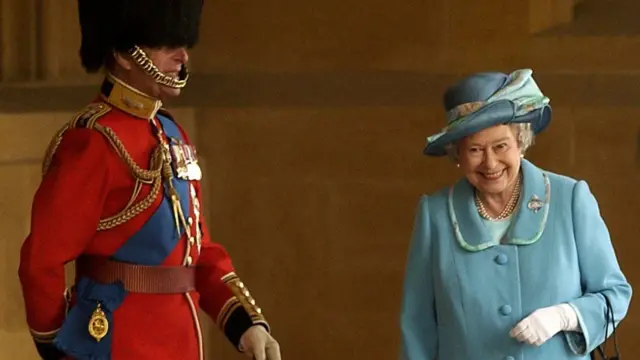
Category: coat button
[501,259]
[505,310]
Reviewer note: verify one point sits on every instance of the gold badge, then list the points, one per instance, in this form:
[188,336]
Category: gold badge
[98,324]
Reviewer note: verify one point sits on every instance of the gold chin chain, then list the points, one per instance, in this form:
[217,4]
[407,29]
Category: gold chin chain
[508,210]
[141,58]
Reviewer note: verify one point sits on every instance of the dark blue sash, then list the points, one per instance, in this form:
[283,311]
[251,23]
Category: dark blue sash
[151,245]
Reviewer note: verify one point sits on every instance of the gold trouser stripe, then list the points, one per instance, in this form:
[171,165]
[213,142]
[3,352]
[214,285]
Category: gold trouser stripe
[196,320]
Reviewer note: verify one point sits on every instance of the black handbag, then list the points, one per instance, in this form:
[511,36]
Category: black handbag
[600,353]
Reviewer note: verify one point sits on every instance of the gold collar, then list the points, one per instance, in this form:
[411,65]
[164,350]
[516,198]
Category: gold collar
[124,97]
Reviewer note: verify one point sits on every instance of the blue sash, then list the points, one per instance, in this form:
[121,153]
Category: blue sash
[149,246]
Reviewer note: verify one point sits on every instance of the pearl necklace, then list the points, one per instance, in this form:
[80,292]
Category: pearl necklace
[508,210]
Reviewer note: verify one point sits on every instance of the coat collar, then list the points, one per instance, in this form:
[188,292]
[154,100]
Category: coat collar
[128,99]
[528,222]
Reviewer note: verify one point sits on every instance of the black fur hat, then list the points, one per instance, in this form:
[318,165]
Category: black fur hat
[118,25]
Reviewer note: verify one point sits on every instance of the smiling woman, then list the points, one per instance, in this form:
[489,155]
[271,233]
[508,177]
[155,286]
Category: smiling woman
[501,264]
[490,159]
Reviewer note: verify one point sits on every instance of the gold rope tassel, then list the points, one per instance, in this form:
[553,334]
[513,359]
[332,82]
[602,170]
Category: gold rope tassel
[177,209]
[167,173]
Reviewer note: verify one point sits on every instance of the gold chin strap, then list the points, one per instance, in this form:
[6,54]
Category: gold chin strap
[141,58]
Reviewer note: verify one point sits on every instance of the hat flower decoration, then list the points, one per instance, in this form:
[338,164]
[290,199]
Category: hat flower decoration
[487,99]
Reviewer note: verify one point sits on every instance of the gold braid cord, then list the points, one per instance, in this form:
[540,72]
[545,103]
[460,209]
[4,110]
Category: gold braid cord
[87,118]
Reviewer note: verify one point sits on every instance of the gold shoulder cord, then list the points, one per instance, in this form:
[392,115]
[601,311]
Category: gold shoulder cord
[87,118]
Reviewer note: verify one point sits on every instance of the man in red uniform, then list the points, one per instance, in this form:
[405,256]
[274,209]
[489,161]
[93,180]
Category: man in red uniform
[121,196]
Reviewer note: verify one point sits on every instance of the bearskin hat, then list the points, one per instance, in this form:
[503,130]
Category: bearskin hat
[118,25]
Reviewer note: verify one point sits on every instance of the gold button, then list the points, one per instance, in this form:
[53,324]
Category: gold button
[192,240]
[190,220]
[189,260]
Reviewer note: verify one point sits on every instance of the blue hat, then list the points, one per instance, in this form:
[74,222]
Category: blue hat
[483,100]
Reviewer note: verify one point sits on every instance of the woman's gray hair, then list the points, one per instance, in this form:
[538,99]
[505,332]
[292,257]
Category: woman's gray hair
[522,131]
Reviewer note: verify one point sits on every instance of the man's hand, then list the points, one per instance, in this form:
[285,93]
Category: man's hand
[258,344]
[544,323]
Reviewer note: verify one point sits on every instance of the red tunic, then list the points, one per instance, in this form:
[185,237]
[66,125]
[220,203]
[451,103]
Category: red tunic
[89,180]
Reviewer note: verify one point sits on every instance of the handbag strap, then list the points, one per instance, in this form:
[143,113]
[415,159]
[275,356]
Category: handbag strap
[610,319]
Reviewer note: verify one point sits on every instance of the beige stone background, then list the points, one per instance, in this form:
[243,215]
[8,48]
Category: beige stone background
[311,116]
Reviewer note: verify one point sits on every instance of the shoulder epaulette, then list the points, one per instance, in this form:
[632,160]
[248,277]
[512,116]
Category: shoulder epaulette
[86,118]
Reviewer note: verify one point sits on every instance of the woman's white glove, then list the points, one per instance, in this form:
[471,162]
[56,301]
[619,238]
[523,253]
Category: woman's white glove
[258,344]
[544,323]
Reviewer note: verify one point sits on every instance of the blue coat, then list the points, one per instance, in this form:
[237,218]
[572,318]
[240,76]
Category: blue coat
[464,291]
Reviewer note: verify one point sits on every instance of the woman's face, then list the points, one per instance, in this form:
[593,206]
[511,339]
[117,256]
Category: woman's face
[490,159]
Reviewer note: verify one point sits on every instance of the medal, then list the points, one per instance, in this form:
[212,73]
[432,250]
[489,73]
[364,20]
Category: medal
[194,172]
[185,161]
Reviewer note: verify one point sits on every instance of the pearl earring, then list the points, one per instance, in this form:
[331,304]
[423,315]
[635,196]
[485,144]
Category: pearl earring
[457,165]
